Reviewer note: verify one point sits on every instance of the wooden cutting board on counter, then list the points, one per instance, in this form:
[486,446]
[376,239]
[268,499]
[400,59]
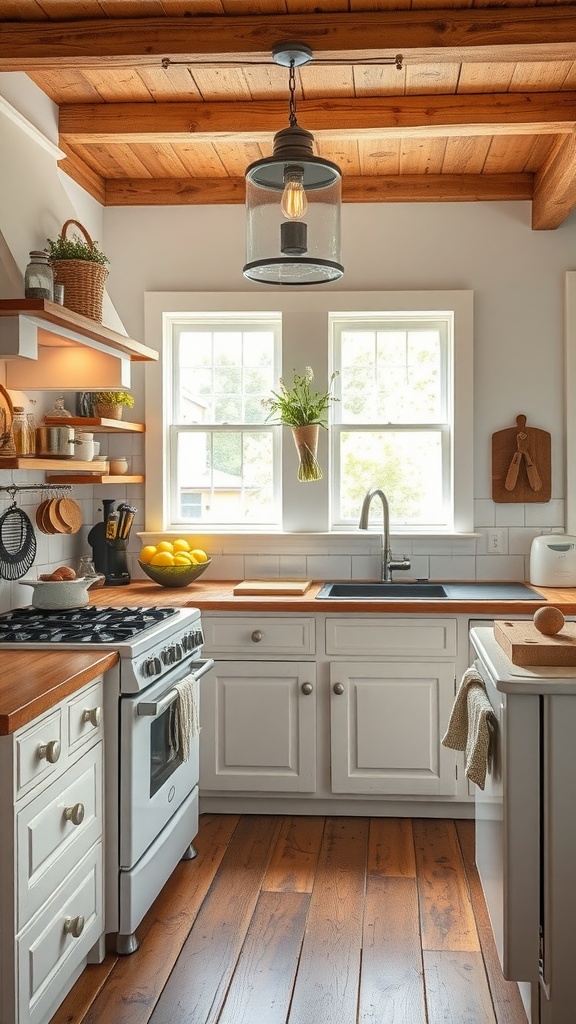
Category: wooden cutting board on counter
[279,588]
[525,645]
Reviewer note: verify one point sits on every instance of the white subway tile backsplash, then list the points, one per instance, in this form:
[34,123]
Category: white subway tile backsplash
[500,567]
[520,540]
[548,514]
[366,567]
[258,567]
[456,567]
[293,566]
[484,511]
[329,567]
[509,514]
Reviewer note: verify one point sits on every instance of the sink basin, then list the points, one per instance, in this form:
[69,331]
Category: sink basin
[382,591]
[352,590]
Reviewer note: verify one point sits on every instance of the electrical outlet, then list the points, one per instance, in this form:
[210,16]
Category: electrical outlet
[496,541]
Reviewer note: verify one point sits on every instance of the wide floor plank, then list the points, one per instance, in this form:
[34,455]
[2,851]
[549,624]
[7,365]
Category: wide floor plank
[392,981]
[195,991]
[391,848]
[446,914]
[261,987]
[456,988]
[326,988]
[293,863]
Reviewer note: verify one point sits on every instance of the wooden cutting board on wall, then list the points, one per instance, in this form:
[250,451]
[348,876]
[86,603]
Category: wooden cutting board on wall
[521,464]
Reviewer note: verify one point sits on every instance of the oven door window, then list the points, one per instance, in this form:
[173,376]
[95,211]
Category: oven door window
[164,755]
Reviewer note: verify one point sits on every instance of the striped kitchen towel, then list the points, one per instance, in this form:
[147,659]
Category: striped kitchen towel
[472,727]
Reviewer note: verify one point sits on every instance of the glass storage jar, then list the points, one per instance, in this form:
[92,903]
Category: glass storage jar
[39,277]
[24,438]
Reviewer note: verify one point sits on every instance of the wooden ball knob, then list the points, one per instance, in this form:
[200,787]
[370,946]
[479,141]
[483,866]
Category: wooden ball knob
[549,621]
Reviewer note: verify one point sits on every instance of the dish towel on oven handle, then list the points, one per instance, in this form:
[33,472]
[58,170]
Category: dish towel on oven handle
[472,727]
[187,715]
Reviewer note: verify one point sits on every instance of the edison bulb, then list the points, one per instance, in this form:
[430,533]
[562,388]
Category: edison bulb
[294,201]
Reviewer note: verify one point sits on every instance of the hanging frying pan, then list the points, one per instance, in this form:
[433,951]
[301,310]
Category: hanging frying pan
[17,543]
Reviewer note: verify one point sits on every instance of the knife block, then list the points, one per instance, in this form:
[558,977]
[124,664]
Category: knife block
[109,556]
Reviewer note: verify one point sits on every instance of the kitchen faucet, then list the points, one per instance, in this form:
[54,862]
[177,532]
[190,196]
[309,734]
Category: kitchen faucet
[388,563]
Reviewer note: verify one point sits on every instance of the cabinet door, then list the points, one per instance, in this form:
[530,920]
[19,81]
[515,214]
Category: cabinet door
[259,727]
[387,722]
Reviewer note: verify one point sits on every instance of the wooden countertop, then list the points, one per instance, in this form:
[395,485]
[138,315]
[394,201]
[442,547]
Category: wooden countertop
[217,595]
[31,682]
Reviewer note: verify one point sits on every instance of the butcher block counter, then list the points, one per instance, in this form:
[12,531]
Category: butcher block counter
[217,595]
[31,682]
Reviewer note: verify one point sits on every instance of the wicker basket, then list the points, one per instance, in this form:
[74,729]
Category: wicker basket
[108,411]
[83,280]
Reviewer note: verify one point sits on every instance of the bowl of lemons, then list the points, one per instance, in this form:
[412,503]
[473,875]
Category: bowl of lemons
[173,563]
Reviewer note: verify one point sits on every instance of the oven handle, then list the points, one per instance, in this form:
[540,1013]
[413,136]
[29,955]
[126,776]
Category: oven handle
[154,708]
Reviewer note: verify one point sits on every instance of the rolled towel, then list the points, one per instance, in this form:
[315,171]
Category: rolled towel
[472,727]
[187,714]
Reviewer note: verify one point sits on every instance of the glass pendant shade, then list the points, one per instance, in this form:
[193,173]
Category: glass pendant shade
[293,201]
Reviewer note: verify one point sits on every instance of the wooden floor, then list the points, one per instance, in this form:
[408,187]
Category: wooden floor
[311,920]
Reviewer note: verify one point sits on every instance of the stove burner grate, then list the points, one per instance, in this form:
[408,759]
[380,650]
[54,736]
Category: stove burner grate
[79,625]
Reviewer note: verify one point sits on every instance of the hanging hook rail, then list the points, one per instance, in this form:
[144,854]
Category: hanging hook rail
[14,489]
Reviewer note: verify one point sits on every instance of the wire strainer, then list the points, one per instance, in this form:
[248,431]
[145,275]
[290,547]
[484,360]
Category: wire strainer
[17,543]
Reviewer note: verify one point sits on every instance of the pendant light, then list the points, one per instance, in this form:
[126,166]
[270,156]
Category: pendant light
[293,201]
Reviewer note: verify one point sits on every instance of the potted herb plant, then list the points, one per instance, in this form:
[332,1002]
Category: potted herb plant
[110,404]
[305,412]
[80,266]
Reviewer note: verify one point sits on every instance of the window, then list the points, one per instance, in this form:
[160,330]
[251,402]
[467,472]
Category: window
[393,421]
[403,419]
[222,467]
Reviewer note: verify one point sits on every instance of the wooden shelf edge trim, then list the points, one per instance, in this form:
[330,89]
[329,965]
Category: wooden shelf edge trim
[92,478]
[54,316]
[51,464]
[97,424]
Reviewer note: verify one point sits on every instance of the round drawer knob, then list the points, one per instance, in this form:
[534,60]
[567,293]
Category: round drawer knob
[307,688]
[74,926]
[92,715]
[338,689]
[74,814]
[257,636]
[50,751]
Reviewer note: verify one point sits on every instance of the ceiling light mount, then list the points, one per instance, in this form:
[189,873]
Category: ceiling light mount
[282,190]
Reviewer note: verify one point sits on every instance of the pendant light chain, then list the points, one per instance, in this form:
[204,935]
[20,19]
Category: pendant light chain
[292,87]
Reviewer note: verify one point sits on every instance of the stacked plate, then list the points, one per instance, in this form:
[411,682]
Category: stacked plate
[58,515]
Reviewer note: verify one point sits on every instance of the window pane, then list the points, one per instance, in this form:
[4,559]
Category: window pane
[406,464]
[392,375]
[225,476]
[223,374]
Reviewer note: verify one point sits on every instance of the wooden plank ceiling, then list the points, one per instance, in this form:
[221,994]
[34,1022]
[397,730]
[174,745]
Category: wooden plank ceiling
[484,107]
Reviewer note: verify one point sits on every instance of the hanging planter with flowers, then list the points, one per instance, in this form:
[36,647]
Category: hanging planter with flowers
[304,411]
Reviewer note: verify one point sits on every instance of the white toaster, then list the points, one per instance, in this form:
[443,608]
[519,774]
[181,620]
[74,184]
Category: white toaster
[553,561]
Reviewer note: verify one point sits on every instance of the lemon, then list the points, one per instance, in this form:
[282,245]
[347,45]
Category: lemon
[181,545]
[162,558]
[200,555]
[182,559]
[165,545]
[147,553]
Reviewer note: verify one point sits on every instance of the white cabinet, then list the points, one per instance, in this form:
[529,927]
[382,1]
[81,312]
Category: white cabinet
[51,858]
[386,727]
[387,717]
[260,722]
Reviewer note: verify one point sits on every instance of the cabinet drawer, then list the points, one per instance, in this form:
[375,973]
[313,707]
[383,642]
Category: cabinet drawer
[426,637]
[50,844]
[38,751]
[84,716]
[259,633]
[48,956]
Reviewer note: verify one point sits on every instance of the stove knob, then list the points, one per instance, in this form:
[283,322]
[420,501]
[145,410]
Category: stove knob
[157,664]
[165,655]
[151,667]
[178,651]
[198,638]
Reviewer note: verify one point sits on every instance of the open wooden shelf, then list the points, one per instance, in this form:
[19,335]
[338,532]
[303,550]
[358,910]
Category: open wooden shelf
[96,424]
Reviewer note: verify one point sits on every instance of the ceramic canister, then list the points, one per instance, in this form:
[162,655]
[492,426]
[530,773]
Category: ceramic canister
[83,447]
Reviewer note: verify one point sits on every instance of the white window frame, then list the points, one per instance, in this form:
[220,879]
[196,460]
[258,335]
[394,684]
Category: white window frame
[306,507]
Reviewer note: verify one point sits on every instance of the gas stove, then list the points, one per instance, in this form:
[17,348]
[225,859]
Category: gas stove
[149,641]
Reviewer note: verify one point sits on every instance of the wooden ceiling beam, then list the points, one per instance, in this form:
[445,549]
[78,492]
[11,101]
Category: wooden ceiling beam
[555,188]
[482,35]
[82,174]
[498,114]
[411,188]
